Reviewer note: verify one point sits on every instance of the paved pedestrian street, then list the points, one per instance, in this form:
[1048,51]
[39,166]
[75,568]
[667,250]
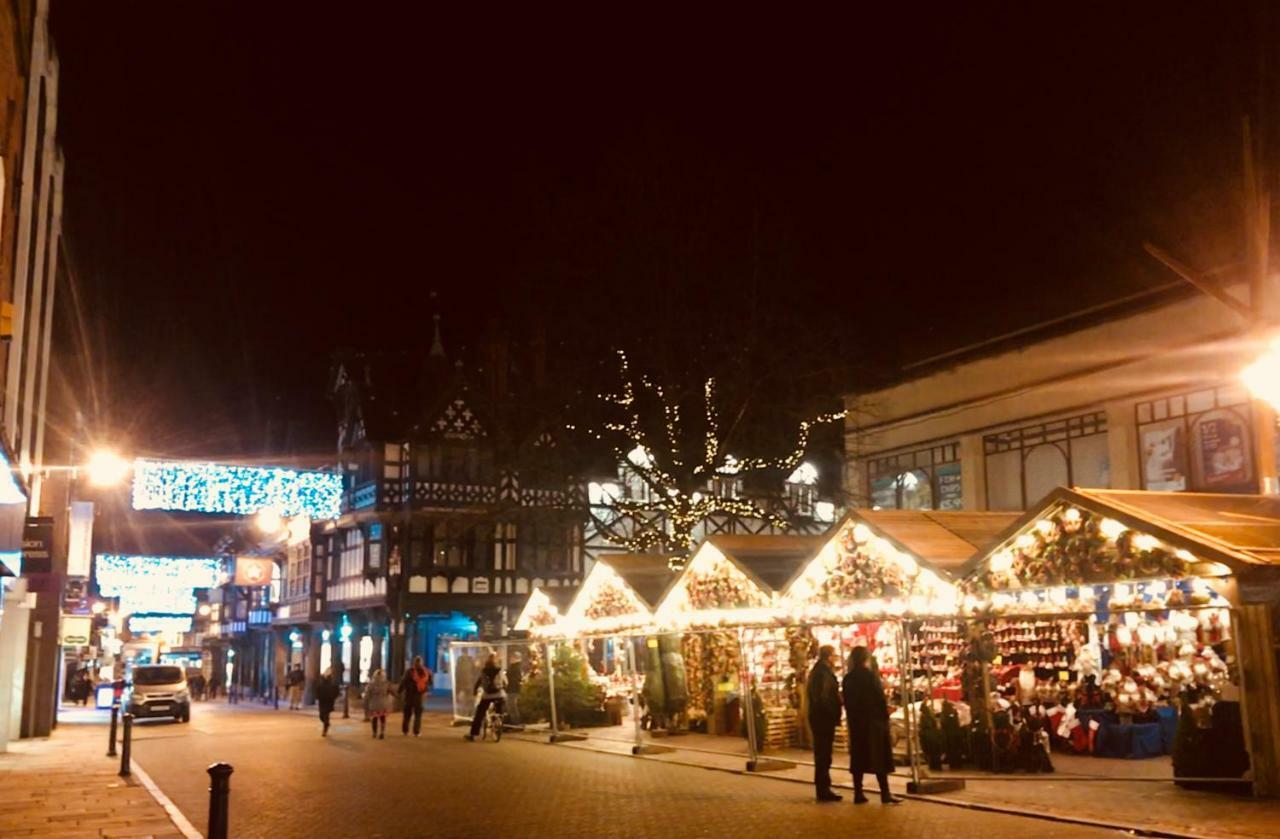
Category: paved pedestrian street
[289,781]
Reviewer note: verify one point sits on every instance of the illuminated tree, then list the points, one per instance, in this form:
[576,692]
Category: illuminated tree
[683,467]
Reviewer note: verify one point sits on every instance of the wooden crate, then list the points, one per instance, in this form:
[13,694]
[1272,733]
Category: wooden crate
[781,728]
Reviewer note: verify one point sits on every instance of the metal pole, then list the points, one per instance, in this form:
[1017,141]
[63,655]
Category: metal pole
[219,793]
[111,740]
[127,747]
[748,701]
[909,716]
[551,690]
[635,694]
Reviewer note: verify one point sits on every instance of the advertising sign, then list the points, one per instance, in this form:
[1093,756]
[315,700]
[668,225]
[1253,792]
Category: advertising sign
[75,630]
[37,545]
[1164,457]
[254,571]
[1223,454]
[80,539]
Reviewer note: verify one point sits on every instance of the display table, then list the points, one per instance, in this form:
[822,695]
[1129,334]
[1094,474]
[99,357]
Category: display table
[951,693]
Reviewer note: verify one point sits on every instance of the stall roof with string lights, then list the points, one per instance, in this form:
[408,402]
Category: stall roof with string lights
[886,563]
[545,607]
[734,580]
[619,594]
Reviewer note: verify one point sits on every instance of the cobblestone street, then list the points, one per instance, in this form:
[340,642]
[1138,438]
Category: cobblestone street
[289,781]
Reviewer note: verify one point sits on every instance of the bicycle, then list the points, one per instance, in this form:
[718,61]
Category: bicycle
[492,726]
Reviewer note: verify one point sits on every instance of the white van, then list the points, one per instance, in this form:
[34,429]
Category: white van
[159,690]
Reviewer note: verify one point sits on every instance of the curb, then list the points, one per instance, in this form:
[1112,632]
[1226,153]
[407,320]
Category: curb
[175,815]
[1134,829]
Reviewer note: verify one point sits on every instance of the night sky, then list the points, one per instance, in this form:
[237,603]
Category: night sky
[251,187]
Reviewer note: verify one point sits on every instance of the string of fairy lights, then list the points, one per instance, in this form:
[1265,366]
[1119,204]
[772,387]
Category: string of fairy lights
[670,514]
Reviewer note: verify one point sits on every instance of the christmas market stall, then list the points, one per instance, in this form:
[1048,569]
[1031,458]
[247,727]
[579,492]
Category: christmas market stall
[730,584]
[875,581]
[1101,638]
[592,645]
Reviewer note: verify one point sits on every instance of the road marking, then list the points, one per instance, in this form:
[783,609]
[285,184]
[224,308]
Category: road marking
[175,815]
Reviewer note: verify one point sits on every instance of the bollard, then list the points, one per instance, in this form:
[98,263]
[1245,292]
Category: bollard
[127,746]
[219,793]
[346,708]
[111,742]
[275,696]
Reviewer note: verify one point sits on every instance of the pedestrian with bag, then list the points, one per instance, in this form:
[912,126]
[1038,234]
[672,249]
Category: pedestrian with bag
[377,702]
[870,746]
[414,688]
[327,691]
[824,715]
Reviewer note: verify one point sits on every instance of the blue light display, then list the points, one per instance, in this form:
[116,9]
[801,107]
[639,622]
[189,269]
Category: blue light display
[237,490]
[156,583]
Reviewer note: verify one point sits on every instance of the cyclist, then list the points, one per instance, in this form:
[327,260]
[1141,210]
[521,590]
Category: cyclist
[493,687]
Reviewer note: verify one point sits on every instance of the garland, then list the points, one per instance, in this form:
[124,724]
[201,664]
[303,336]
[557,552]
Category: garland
[1070,548]
[722,587]
[858,575]
[609,601]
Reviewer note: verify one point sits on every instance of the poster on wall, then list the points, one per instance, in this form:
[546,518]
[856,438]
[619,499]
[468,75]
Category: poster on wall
[1222,450]
[884,493]
[1164,457]
[949,488]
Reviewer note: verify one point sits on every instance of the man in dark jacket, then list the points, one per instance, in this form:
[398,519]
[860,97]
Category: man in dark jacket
[413,689]
[515,681]
[870,747]
[327,691]
[824,716]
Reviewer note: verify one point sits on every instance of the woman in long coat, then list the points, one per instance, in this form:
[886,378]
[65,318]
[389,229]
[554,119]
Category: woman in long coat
[870,747]
[377,702]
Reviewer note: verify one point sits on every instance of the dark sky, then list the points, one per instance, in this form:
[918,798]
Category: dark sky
[251,186]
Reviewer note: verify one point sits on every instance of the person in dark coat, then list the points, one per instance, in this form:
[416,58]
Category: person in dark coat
[824,715]
[515,681]
[327,691]
[870,748]
[414,687]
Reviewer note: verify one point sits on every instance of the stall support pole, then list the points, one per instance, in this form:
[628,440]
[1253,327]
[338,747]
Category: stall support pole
[755,763]
[640,747]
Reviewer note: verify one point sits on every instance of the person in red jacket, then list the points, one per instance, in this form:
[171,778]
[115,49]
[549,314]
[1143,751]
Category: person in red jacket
[413,689]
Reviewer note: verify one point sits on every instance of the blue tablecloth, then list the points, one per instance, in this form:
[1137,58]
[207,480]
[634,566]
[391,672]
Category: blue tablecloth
[1134,740]
[1168,727]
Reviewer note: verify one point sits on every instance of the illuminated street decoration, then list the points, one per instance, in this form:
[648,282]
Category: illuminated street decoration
[163,624]
[237,490]
[156,584]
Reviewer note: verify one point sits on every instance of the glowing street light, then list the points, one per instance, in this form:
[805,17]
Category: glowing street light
[1262,377]
[269,521]
[106,468]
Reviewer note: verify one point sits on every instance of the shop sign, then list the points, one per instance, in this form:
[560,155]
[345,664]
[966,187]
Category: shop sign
[480,585]
[80,539]
[949,487]
[253,571]
[75,596]
[1224,459]
[37,545]
[75,630]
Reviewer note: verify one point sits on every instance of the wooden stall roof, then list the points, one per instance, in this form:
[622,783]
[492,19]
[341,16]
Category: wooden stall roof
[946,539]
[772,560]
[648,575]
[560,596]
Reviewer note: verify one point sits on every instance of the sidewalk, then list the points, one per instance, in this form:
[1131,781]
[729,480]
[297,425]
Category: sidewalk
[1143,807]
[65,786]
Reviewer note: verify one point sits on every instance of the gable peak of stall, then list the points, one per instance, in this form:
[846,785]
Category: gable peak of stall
[733,580]
[545,609]
[862,572]
[618,593]
[1074,540]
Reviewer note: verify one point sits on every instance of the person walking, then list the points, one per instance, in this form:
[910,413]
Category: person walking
[377,702]
[295,682]
[492,683]
[515,680]
[824,715]
[414,688]
[327,691]
[870,748]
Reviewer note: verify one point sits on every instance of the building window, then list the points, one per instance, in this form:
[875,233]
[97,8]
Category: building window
[545,546]
[395,463]
[922,479]
[1202,440]
[1025,464]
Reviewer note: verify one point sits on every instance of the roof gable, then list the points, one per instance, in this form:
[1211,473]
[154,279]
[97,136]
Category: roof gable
[710,586]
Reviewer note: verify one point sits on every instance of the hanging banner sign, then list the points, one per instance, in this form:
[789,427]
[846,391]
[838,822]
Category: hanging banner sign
[254,571]
[37,545]
[80,539]
[75,631]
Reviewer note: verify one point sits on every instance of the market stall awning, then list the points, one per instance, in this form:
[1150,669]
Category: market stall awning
[1087,535]
[620,592]
[945,539]
[772,560]
[545,607]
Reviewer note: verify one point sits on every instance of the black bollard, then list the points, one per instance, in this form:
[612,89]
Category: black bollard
[219,793]
[127,746]
[346,708]
[111,742]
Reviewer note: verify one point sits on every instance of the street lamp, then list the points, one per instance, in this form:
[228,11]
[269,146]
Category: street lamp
[105,468]
[269,521]
[1262,377]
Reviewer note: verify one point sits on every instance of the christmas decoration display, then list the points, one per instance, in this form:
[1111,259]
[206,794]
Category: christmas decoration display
[1070,546]
[609,601]
[650,435]
[237,490]
[538,613]
[722,586]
